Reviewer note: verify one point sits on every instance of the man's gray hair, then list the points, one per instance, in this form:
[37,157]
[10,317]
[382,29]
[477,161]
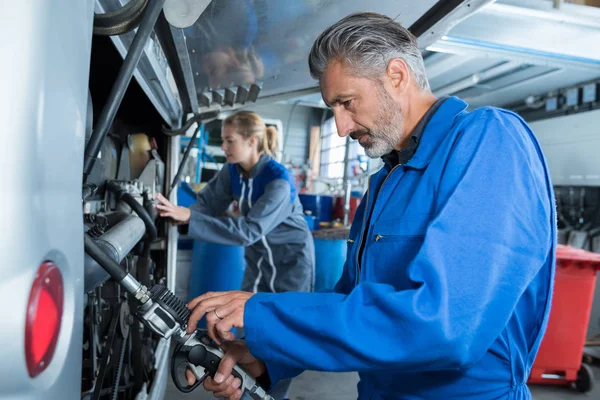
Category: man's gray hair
[366,42]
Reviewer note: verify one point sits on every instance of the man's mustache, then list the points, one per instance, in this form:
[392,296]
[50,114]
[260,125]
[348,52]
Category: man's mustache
[356,134]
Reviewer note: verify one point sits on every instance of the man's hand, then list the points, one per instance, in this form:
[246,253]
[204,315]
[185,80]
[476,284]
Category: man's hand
[224,384]
[179,215]
[224,311]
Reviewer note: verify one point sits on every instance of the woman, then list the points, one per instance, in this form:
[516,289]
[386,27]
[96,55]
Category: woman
[279,247]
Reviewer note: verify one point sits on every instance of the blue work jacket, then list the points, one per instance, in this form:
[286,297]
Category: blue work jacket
[450,296]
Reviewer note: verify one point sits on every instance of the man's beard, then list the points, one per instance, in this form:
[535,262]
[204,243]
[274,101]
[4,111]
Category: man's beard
[387,129]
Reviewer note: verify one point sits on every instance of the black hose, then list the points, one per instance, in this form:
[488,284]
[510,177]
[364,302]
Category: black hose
[105,261]
[137,208]
[120,21]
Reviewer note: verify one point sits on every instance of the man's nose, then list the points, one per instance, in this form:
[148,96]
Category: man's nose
[223,146]
[344,123]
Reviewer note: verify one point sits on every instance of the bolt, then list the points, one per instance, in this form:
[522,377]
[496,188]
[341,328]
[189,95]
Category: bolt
[47,281]
[98,318]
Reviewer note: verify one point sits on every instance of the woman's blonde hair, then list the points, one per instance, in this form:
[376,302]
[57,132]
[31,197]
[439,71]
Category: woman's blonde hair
[249,124]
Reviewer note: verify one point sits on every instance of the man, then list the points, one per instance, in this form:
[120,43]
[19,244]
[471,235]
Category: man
[447,286]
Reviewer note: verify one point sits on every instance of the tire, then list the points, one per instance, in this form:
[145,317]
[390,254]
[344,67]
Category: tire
[585,379]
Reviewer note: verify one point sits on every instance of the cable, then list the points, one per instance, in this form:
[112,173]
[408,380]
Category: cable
[287,127]
[120,21]
[184,159]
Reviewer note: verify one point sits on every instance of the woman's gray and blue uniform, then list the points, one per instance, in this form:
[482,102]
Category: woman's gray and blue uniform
[279,247]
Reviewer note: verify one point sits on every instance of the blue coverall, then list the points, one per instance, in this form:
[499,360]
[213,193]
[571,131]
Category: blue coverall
[451,295]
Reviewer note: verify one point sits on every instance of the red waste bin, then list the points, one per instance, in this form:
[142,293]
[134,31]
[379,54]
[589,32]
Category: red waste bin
[559,360]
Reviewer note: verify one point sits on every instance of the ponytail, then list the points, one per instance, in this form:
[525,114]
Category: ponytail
[271,141]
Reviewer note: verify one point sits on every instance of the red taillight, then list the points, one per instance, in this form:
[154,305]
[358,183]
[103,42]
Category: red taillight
[44,313]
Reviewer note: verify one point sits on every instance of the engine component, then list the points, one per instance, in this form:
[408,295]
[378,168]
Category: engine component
[117,242]
[120,21]
[166,315]
[123,194]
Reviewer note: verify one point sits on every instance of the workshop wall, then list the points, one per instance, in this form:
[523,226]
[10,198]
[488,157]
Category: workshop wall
[298,133]
[571,145]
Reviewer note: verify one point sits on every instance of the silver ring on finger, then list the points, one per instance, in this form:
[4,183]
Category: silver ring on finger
[217,314]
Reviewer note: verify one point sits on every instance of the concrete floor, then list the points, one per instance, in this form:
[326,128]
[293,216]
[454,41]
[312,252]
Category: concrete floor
[342,386]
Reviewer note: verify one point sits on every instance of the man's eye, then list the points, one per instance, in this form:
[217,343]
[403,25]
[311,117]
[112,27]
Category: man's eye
[347,103]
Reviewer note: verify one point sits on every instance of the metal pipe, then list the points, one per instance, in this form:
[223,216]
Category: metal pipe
[117,92]
[474,79]
[119,240]
[186,155]
[140,211]
[347,196]
[346,183]
[116,243]
[465,46]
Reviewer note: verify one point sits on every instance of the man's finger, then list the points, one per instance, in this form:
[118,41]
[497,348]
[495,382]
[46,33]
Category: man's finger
[231,308]
[190,377]
[229,360]
[230,387]
[194,302]
[212,386]
[223,327]
[205,306]
[164,208]
[211,322]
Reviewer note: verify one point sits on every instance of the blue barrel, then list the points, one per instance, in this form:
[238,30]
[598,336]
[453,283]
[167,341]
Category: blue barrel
[185,195]
[330,256]
[310,221]
[320,206]
[215,267]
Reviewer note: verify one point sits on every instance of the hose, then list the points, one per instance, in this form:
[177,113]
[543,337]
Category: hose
[120,21]
[137,208]
[109,265]
[186,155]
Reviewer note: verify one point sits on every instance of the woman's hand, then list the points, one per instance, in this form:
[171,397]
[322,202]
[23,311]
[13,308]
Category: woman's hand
[179,215]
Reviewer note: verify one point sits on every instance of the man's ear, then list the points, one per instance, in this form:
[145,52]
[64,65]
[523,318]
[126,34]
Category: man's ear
[398,74]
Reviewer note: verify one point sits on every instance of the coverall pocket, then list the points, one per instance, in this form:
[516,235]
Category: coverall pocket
[394,244]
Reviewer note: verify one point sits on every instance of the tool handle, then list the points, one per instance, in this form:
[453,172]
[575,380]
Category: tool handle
[201,353]
[180,358]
